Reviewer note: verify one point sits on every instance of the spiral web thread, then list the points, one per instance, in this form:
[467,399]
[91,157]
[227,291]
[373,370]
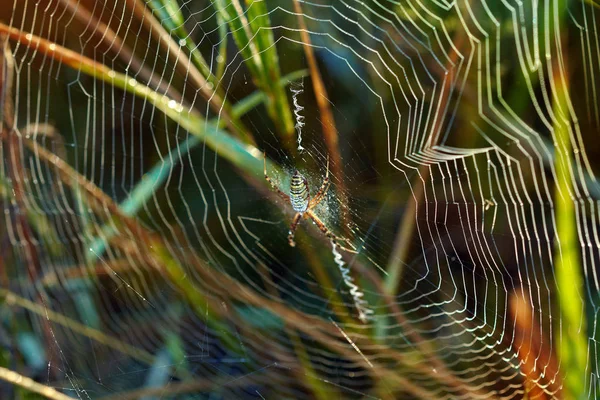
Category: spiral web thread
[457,107]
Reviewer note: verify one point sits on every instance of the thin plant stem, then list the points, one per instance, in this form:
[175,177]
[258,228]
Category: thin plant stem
[13,149]
[30,385]
[403,238]
[328,125]
[222,57]
[407,226]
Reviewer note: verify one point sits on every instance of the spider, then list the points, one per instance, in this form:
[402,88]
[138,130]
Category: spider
[301,202]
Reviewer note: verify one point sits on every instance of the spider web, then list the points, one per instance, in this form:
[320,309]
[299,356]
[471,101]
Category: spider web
[145,255]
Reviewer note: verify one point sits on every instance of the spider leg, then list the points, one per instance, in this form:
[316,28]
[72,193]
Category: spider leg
[273,185]
[328,233]
[293,227]
[322,190]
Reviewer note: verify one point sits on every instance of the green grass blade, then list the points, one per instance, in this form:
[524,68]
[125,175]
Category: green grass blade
[277,104]
[253,36]
[569,276]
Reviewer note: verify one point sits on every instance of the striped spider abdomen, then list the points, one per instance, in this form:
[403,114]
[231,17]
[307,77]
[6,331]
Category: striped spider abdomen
[299,195]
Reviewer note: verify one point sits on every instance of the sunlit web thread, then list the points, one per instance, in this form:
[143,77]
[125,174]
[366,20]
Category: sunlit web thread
[364,312]
[296,89]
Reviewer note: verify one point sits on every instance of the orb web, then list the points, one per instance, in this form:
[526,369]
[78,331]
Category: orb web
[146,255]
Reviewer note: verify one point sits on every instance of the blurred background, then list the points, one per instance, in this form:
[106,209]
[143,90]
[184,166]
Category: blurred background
[143,254]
